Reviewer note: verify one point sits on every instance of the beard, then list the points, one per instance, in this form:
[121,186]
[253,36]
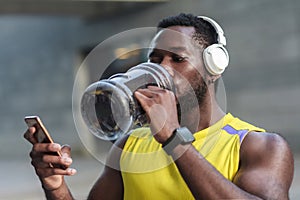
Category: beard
[193,97]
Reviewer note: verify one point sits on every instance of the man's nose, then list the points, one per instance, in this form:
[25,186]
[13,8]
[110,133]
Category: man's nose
[167,65]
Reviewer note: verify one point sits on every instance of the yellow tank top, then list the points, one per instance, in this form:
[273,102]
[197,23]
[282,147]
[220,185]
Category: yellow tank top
[149,173]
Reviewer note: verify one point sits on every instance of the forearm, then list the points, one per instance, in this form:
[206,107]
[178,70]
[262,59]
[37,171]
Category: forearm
[62,192]
[204,181]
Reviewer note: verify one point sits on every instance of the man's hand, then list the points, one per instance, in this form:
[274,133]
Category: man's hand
[160,106]
[47,164]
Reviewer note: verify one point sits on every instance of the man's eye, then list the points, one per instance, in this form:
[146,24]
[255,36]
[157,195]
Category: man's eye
[178,58]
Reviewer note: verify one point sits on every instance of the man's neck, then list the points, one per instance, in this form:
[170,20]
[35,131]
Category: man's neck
[210,115]
[203,116]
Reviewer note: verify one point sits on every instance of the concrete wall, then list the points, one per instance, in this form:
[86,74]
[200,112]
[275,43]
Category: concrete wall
[37,70]
[40,55]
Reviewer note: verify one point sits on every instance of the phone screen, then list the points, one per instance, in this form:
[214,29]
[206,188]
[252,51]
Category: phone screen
[41,134]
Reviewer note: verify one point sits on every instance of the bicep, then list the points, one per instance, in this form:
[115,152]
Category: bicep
[108,186]
[110,183]
[266,166]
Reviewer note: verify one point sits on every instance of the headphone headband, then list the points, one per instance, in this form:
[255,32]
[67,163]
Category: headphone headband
[220,33]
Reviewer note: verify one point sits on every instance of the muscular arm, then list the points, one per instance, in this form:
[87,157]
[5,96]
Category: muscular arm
[108,186]
[267,166]
[110,183]
[266,171]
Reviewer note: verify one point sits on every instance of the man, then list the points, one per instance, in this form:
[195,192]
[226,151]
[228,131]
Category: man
[224,158]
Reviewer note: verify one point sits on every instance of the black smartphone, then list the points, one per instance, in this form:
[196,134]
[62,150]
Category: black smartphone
[41,134]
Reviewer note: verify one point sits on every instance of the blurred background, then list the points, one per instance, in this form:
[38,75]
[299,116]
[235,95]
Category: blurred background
[43,43]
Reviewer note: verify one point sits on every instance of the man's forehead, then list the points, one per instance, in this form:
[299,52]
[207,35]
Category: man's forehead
[175,32]
[176,37]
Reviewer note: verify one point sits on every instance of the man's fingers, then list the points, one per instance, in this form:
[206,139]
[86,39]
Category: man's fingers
[29,135]
[66,150]
[37,163]
[57,160]
[144,100]
[148,97]
[155,88]
[43,173]
[46,147]
[152,91]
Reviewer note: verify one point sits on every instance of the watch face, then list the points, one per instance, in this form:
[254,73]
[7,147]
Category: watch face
[185,135]
[180,136]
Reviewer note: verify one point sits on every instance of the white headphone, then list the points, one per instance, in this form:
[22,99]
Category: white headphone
[215,56]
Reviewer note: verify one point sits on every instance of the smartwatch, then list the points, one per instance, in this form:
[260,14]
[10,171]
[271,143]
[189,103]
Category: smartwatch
[180,135]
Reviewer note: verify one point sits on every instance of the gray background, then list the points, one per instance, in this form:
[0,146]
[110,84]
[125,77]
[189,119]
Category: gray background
[43,43]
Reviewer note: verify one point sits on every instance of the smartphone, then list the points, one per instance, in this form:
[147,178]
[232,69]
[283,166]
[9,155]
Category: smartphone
[41,134]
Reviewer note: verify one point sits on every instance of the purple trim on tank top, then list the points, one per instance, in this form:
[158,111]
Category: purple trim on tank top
[241,133]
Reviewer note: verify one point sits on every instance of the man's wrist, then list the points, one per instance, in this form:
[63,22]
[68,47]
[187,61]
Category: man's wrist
[61,192]
[165,143]
[179,136]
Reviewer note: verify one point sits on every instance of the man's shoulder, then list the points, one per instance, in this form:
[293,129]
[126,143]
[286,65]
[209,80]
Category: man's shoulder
[265,139]
[263,144]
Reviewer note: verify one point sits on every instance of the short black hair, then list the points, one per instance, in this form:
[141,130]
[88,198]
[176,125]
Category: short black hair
[205,33]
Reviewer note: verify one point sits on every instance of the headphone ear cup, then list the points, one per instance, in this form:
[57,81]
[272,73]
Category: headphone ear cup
[216,59]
